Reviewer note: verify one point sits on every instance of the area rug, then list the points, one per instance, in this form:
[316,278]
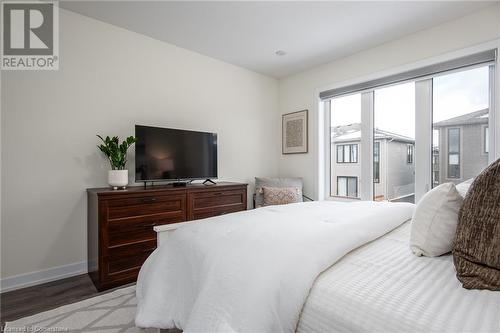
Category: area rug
[113,312]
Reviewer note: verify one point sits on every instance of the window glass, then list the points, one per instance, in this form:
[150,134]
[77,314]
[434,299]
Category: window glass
[460,135]
[409,152]
[376,162]
[460,118]
[345,133]
[453,140]
[354,153]
[352,187]
[347,187]
[435,167]
[394,120]
[346,154]
[340,154]
[454,159]
[342,186]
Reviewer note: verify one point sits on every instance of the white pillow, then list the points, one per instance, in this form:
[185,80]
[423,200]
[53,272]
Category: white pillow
[463,187]
[435,220]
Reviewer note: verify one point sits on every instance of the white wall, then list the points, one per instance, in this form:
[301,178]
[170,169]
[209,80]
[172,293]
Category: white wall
[298,92]
[109,80]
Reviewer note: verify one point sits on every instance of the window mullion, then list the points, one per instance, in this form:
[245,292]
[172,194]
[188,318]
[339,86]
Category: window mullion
[494,119]
[423,135]
[365,186]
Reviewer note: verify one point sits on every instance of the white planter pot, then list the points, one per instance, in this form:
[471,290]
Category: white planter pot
[118,178]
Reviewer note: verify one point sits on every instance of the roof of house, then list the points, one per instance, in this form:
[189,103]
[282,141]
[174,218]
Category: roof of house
[352,132]
[476,117]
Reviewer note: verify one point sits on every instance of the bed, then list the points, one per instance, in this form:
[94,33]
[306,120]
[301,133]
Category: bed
[383,287]
[374,284]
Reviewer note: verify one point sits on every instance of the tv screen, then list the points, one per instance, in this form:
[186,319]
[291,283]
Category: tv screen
[171,154]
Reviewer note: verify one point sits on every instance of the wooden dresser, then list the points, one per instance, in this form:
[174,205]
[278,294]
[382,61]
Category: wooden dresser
[120,223]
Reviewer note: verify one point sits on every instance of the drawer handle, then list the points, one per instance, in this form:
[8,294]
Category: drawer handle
[148,200]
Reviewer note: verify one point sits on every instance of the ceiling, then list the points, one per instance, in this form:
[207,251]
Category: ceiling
[248,34]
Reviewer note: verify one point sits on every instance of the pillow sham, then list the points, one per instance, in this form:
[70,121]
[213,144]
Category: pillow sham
[435,220]
[463,187]
[274,182]
[281,195]
[476,251]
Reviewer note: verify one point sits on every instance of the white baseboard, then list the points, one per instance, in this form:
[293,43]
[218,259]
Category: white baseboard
[39,277]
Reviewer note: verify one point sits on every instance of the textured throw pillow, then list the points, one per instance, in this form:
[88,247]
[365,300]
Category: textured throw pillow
[476,251]
[435,220]
[280,195]
[463,187]
[274,182]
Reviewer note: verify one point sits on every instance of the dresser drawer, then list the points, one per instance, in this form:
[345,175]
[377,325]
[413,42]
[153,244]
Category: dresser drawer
[211,199]
[205,213]
[146,205]
[123,261]
[127,230]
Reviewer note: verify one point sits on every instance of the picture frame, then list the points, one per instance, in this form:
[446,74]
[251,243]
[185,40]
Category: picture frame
[294,132]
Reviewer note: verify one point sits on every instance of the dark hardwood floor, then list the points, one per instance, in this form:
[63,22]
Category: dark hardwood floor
[43,297]
[28,301]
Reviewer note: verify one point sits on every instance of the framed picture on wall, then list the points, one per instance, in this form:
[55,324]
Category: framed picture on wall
[294,133]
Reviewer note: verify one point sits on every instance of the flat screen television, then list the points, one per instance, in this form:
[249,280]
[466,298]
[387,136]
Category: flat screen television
[166,154]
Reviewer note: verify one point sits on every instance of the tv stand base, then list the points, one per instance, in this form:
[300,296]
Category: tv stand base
[208,182]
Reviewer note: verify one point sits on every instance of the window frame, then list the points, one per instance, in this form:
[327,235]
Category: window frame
[350,147]
[347,187]
[341,148]
[486,139]
[423,131]
[448,153]
[353,157]
[376,180]
[410,152]
[435,171]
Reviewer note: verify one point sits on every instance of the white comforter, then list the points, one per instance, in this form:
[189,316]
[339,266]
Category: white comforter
[252,271]
[383,287]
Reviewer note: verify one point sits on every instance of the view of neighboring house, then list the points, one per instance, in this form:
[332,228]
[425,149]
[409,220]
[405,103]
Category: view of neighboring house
[456,157]
[393,164]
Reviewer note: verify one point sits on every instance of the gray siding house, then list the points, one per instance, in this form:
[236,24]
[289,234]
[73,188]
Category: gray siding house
[393,164]
[462,147]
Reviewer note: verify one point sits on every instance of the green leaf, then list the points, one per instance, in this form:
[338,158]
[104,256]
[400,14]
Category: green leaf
[115,151]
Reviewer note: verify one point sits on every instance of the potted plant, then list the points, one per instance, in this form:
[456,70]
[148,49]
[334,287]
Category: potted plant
[117,156]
